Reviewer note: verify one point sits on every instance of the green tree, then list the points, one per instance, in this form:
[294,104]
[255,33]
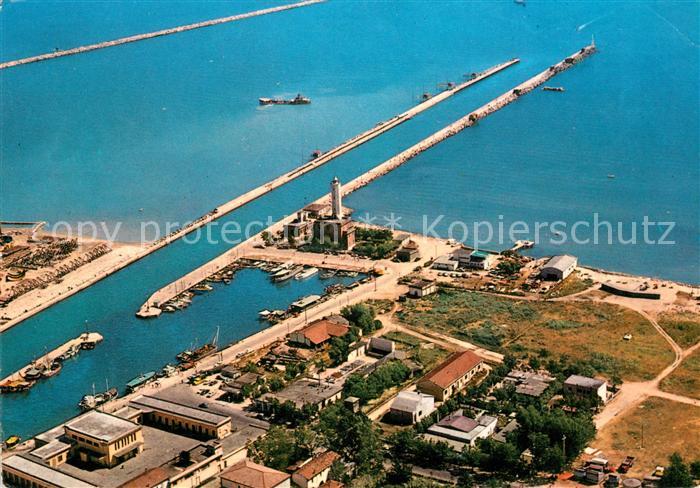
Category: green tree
[360,315]
[676,474]
[695,469]
[276,449]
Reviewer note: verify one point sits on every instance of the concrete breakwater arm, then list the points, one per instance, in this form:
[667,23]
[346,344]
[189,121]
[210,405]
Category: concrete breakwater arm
[150,35]
[14,318]
[150,307]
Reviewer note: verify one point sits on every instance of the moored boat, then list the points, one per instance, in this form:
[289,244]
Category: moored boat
[307,273]
[140,380]
[12,442]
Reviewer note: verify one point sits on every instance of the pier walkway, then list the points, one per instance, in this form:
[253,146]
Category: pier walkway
[48,358]
[150,307]
[240,201]
[151,35]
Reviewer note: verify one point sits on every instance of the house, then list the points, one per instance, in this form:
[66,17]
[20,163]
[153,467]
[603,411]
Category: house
[585,386]
[559,267]
[314,472]
[247,474]
[318,333]
[22,470]
[469,258]
[410,407]
[408,252]
[445,263]
[502,435]
[421,288]
[462,429]
[451,376]
[380,347]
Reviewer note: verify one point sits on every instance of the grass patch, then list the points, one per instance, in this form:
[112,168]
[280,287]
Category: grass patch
[685,380]
[572,284]
[668,427]
[403,338]
[684,327]
[583,331]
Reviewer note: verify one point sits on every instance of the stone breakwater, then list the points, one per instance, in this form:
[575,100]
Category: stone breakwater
[151,35]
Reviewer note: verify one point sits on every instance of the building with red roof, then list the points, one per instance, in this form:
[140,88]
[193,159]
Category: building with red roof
[451,376]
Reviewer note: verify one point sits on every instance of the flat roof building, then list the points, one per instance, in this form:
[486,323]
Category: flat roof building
[180,417]
[21,470]
[421,288]
[471,258]
[305,392]
[451,376]
[104,439]
[460,428]
[585,386]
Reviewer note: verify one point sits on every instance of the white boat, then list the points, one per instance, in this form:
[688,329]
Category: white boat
[307,273]
[263,314]
[288,274]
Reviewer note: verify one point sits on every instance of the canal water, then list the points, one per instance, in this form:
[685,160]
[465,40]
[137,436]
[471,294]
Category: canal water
[172,126]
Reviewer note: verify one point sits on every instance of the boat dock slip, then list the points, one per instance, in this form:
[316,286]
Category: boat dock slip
[260,191]
[14,382]
[150,35]
[243,250]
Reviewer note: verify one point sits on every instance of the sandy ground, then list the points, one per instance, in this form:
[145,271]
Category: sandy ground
[39,299]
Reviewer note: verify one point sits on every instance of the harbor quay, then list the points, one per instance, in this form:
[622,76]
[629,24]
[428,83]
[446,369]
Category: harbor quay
[151,309]
[33,302]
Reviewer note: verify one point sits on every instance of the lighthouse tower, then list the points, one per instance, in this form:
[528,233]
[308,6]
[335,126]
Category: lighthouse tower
[336,201]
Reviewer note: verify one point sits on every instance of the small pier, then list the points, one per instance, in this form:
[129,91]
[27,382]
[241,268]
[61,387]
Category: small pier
[151,35]
[49,364]
[150,307]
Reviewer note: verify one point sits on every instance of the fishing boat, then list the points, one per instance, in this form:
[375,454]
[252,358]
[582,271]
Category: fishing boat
[72,351]
[52,369]
[201,288]
[329,273]
[12,442]
[192,355]
[168,371]
[140,380]
[264,314]
[16,385]
[611,176]
[32,373]
[307,273]
[15,274]
[89,402]
[553,88]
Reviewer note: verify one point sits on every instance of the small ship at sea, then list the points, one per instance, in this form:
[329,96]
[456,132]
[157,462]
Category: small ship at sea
[298,100]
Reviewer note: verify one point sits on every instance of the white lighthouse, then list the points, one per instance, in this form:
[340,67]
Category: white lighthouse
[336,200]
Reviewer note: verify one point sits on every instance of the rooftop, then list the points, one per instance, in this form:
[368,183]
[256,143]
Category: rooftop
[422,284]
[408,401]
[146,402]
[305,391]
[453,368]
[152,477]
[317,465]
[479,255]
[44,473]
[102,426]
[583,381]
[561,262]
[322,330]
[252,475]
[50,450]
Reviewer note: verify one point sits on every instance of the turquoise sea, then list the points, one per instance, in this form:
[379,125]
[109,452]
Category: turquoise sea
[172,125]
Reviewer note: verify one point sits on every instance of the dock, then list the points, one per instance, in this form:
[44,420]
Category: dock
[150,308]
[265,188]
[151,35]
[18,380]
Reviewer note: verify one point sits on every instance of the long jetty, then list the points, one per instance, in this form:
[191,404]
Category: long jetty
[50,357]
[151,35]
[150,307]
[265,188]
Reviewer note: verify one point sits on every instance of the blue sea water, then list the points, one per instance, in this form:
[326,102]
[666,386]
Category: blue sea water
[171,125]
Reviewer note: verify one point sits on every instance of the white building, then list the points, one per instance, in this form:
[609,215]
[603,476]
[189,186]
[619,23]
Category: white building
[463,430]
[559,267]
[421,288]
[474,259]
[410,407]
[585,386]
